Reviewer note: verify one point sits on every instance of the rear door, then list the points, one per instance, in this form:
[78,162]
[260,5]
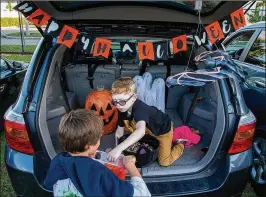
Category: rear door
[145,11]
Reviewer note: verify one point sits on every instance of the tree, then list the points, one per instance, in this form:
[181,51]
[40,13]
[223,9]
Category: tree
[256,15]
[9,6]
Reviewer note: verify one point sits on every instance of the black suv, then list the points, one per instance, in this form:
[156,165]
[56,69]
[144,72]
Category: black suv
[57,81]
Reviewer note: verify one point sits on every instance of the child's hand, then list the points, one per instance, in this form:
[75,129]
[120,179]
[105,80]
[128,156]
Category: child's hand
[129,160]
[114,154]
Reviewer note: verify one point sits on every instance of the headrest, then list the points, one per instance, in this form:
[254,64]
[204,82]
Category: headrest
[130,66]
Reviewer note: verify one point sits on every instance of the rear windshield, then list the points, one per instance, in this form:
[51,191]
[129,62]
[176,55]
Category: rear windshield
[186,6]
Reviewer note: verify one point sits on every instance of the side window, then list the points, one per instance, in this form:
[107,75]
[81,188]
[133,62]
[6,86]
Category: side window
[3,67]
[236,45]
[257,55]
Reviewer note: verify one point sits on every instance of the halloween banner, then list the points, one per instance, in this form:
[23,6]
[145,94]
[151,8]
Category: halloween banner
[160,50]
[214,32]
[26,8]
[179,43]
[128,49]
[102,47]
[39,18]
[53,28]
[201,38]
[66,35]
[226,25]
[84,43]
[238,18]
[146,51]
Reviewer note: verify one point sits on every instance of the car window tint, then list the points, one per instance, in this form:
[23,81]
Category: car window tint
[257,55]
[3,66]
[238,42]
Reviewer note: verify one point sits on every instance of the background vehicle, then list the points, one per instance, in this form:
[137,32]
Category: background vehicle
[248,45]
[57,81]
[11,77]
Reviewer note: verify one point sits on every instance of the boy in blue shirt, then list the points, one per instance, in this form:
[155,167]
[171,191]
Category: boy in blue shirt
[76,173]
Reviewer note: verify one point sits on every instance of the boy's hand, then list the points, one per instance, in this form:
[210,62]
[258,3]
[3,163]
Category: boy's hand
[129,160]
[114,154]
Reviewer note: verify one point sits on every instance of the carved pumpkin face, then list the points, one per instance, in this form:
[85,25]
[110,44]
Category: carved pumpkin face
[100,101]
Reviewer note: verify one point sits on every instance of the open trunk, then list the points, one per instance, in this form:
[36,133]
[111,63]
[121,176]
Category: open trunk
[67,87]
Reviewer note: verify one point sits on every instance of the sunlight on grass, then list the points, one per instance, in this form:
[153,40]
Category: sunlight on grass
[17,48]
[17,57]
[33,34]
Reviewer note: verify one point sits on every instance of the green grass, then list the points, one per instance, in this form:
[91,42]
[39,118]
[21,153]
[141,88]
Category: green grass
[17,48]
[17,57]
[33,34]
[5,186]
[249,192]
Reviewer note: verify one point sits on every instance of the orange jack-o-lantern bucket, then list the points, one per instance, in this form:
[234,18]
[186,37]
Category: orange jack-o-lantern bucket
[100,101]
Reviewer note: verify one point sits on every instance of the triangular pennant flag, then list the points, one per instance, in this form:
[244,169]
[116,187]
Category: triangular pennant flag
[84,43]
[128,49]
[146,50]
[39,17]
[26,8]
[53,28]
[179,43]
[102,47]
[214,32]
[238,18]
[160,50]
[226,25]
[67,36]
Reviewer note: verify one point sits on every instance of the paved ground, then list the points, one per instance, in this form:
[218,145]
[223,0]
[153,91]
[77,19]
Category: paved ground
[16,41]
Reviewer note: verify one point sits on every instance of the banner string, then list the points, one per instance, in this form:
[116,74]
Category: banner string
[193,44]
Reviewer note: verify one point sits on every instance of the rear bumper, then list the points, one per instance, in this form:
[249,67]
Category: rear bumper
[21,173]
[226,181]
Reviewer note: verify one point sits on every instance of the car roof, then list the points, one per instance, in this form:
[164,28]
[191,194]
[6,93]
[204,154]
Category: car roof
[254,26]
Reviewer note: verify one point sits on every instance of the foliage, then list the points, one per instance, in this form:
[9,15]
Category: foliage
[9,6]
[255,16]
[8,22]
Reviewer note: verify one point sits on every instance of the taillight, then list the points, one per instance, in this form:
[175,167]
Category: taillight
[244,135]
[16,134]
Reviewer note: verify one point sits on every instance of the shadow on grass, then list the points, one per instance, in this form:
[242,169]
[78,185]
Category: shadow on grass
[5,185]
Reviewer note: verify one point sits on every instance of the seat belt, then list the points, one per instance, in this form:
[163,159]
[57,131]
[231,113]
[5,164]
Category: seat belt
[62,86]
[91,71]
[193,105]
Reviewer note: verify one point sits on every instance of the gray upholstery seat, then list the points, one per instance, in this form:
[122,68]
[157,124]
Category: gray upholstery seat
[116,68]
[203,109]
[130,70]
[175,69]
[78,83]
[157,71]
[175,93]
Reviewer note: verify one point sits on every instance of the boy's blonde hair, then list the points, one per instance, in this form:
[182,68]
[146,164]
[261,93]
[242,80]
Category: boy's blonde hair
[123,85]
